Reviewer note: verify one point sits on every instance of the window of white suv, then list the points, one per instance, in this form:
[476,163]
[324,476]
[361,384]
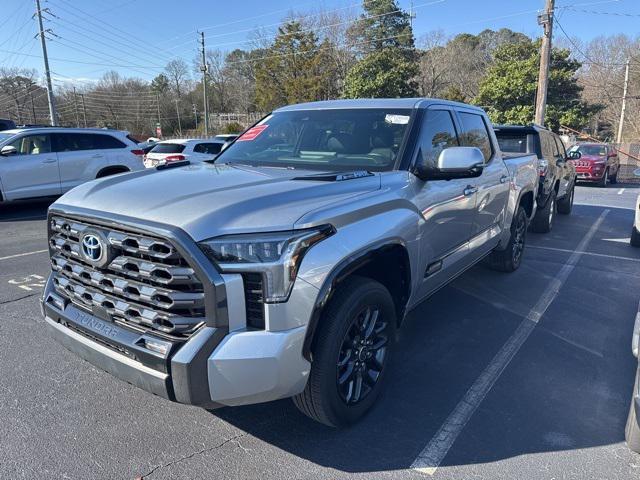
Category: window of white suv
[168,148]
[210,148]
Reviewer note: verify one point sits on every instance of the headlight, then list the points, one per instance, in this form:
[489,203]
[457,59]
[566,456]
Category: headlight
[277,256]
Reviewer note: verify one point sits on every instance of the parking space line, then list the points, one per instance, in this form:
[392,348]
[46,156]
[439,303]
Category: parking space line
[23,254]
[434,452]
[620,191]
[593,254]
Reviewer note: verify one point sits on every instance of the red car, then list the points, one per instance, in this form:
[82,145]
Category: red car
[598,163]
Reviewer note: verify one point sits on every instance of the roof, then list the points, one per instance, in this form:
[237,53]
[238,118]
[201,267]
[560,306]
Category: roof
[406,103]
[184,141]
[14,131]
[531,128]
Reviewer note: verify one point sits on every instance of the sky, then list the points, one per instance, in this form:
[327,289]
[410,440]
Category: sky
[138,37]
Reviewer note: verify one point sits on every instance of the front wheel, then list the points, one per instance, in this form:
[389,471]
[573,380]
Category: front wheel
[632,429]
[508,260]
[602,183]
[351,354]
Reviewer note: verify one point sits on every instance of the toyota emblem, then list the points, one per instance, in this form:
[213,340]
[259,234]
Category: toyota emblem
[92,248]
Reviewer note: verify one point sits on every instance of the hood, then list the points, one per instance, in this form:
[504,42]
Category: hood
[207,200]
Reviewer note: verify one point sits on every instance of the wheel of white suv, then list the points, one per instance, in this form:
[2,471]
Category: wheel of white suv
[632,429]
[565,204]
[508,260]
[635,237]
[351,353]
[543,220]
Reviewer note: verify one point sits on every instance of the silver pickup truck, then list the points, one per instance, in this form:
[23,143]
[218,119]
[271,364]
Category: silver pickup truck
[284,268]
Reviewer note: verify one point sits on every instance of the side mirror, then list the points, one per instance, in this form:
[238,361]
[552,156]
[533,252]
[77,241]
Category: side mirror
[453,162]
[8,150]
[574,155]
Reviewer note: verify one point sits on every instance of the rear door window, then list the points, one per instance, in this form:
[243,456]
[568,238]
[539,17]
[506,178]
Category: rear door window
[168,148]
[547,145]
[475,134]
[73,142]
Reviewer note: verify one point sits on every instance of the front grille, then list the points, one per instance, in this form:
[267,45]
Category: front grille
[254,299]
[145,285]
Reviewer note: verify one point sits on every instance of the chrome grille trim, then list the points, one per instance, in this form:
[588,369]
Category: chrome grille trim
[146,284]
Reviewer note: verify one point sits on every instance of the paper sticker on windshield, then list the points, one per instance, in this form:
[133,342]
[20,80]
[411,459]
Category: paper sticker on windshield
[252,133]
[396,119]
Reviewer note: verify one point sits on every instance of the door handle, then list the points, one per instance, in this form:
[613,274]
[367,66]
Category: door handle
[504,178]
[470,190]
[50,160]
[97,155]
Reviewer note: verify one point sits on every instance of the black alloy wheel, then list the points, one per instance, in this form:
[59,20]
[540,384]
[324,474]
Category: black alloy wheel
[362,355]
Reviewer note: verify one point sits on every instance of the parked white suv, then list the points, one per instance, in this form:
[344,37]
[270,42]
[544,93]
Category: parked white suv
[48,161]
[196,150]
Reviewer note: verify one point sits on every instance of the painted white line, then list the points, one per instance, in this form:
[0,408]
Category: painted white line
[434,452]
[23,254]
[593,254]
[620,191]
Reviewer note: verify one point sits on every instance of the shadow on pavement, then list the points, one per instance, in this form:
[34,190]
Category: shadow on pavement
[24,210]
[555,395]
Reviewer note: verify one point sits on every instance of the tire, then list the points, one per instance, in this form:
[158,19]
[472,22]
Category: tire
[613,179]
[326,399]
[543,220]
[565,204]
[632,429]
[602,183]
[509,259]
[635,237]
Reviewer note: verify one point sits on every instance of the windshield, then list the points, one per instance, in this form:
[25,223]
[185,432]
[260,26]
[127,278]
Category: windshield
[168,148]
[337,139]
[595,150]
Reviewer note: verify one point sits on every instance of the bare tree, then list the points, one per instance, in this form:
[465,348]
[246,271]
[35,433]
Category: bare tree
[178,73]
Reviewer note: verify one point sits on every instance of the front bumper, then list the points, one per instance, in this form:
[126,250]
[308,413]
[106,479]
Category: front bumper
[213,368]
[589,174]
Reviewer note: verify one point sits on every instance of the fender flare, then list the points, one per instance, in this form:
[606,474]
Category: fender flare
[343,269]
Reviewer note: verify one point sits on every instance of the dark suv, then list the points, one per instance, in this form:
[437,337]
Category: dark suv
[7,124]
[557,174]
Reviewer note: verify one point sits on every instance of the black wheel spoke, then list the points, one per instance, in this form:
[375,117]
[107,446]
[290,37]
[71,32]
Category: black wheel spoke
[347,374]
[373,319]
[347,357]
[357,392]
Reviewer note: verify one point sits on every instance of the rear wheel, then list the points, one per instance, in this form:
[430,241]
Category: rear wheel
[635,237]
[350,355]
[565,204]
[508,260]
[632,429]
[613,179]
[543,220]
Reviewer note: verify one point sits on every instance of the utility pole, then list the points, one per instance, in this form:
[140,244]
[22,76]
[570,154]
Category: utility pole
[84,110]
[546,20]
[159,117]
[75,106]
[203,67]
[412,15]
[178,113]
[33,106]
[195,115]
[624,103]
[47,72]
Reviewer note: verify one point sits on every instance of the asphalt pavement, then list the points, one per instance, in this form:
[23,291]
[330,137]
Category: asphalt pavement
[497,376]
